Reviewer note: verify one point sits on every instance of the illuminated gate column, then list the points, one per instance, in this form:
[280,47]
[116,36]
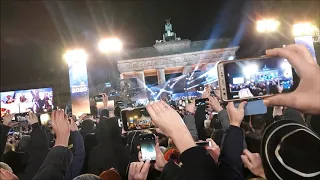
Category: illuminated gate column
[141,80]
[161,76]
[78,79]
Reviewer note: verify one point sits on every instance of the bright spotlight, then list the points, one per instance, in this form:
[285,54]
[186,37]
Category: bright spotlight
[44,118]
[304,29]
[231,58]
[267,25]
[110,45]
[250,70]
[75,55]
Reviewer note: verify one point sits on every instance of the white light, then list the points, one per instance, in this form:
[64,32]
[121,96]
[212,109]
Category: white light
[267,25]
[231,58]
[44,118]
[250,70]
[110,45]
[303,29]
[285,65]
[75,55]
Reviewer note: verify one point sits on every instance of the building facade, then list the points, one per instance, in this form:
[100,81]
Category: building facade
[173,55]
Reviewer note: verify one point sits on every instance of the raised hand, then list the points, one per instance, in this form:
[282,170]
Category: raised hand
[139,170]
[191,107]
[169,121]
[73,125]
[306,97]
[105,100]
[61,127]
[236,115]
[214,104]
[7,120]
[32,118]
[213,149]
[160,161]
[253,162]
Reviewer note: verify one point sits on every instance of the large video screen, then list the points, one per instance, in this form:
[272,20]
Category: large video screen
[35,100]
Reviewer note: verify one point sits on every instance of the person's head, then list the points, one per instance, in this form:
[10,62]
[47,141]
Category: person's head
[23,144]
[87,126]
[257,123]
[108,130]
[87,177]
[110,174]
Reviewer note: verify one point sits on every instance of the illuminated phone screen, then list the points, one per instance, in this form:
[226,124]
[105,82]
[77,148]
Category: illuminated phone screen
[259,77]
[147,144]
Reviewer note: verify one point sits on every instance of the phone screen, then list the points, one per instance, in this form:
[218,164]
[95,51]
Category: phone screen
[147,144]
[258,77]
[20,117]
[201,102]
[136,119]
[98,98]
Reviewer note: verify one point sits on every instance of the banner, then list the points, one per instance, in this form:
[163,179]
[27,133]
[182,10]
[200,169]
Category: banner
[79,88]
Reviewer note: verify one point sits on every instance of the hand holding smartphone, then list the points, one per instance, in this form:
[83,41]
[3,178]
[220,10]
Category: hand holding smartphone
[253,78]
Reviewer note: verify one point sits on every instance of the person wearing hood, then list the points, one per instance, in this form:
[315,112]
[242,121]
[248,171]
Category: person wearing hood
[87,126]
[111,152]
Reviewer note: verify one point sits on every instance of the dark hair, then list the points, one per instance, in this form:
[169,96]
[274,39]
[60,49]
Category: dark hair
[258,123]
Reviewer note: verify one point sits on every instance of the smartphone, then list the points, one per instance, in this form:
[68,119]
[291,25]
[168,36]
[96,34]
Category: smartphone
[147,145]
[253,107]
[253,78]
[98,98]
[136,119]
[201,102]
[203,143]
[20,117]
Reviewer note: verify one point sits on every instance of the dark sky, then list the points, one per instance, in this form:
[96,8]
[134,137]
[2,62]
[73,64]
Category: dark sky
[34,34]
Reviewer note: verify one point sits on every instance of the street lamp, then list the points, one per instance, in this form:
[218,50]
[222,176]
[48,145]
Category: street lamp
[267,25]
[75,55]
[110,45]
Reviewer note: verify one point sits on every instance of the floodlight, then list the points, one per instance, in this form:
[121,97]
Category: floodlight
[75,55]
[267,25]
[110,45]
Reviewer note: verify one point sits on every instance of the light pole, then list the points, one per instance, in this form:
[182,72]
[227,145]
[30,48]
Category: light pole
[78,80]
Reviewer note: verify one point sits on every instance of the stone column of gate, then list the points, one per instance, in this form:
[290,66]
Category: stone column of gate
[161,75]
[187,69]
[141,80]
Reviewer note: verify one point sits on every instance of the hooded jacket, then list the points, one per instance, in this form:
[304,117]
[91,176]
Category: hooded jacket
[110,153]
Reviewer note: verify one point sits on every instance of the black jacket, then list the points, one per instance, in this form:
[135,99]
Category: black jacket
[55,165]
[198,164]
[230,163]
[171,171]
[78,155]
[37,151]
[110,153]
[3,139]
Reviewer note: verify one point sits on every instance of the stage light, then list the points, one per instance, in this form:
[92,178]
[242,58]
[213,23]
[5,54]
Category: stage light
[304,29]
[231,58]
[110,45]
[75,55]
[267,25]
[44,118]
[249,70]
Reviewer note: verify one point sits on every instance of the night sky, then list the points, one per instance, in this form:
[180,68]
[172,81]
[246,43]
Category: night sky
[35,34]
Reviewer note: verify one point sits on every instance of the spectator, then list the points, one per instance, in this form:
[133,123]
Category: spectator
[110,153]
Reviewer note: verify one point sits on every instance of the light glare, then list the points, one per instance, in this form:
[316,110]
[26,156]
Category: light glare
[267,25]
[75,55]
[303,29]
[110,45]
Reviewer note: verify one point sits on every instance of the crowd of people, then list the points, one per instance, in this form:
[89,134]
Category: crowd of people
[282,144]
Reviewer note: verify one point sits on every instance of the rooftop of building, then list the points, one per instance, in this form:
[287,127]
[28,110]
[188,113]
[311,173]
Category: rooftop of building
[175,47]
